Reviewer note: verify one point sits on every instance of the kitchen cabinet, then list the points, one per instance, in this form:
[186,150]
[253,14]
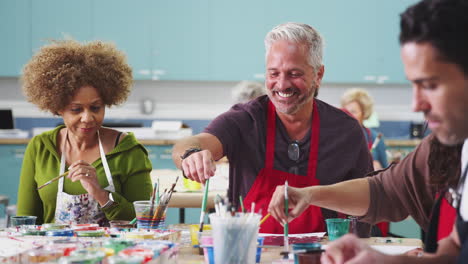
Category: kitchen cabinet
[128,25]
[15,30]
[60,19]
[11,159]
[212,40]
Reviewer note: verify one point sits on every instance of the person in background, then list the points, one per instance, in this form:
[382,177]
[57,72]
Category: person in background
[287,134]
[107,169]
[360,105]
[433,49]
[245,91]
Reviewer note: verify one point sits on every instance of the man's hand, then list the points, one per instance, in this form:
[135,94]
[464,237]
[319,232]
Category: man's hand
[199,166]
[298,198]
[350,250]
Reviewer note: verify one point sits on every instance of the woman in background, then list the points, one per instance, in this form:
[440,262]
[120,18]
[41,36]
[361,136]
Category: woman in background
[359,104]
[107,169]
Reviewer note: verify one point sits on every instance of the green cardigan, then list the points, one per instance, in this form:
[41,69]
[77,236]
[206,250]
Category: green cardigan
[128,163]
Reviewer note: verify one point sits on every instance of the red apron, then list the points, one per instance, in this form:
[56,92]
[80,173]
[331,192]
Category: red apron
[311,220]
[383,226]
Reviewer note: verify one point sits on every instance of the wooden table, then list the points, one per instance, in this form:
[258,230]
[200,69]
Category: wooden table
[189,255]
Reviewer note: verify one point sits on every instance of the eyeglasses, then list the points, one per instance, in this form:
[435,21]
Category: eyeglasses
[294,154]
[294,151]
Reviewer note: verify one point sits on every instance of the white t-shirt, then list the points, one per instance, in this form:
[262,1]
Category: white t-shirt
[464,199]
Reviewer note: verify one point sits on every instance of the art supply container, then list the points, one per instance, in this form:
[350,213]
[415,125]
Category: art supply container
[32,230]
[65,245]
[118,244]
[312,256]
[53,226]
[145,253]
[22,220]
[191,185]
[89,254]
[140,235]
[207,243]
[258,254]
[194,232]
[148,216]
[125,260]
[89,233]
[337,227]
[123,225]
[60,232]
[45,255]
[82,227]
[235,237]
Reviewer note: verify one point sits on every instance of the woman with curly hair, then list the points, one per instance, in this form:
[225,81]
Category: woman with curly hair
[107,169]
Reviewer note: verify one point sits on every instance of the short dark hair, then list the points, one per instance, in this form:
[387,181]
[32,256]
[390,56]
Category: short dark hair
[442,23]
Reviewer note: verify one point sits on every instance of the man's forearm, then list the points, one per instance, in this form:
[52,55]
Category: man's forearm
[349,197]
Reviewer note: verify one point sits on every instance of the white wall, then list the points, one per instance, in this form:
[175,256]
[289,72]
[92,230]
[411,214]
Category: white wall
[205,100]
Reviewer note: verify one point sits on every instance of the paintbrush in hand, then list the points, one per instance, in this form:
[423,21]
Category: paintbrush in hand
[286,211]
[52,180]
[203,207]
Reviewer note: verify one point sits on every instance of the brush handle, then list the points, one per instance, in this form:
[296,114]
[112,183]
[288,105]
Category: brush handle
[52,180]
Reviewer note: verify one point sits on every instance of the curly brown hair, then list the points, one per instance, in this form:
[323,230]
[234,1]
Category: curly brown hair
[54,74]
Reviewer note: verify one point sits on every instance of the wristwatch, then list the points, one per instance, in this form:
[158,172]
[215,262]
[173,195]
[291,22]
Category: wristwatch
[189,152]
[109,203]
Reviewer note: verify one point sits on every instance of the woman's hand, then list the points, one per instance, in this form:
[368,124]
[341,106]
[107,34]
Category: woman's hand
[85,173]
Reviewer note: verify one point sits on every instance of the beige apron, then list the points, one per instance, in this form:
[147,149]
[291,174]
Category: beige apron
[82,208]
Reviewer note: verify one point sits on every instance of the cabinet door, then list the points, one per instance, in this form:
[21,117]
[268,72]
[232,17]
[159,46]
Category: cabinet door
[128,25]
[59,19]
[348,30]
[388,57]
[161,156]
[15,29]
[237,30]
[11,159]
[180,33]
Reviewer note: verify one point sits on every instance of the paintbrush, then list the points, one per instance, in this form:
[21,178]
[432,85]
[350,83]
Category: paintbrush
[203,207]
[52,180]
[286,211]
[264,219]
[153,198]
[376,141]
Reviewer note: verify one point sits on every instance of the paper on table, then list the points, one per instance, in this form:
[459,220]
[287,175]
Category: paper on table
[389,249]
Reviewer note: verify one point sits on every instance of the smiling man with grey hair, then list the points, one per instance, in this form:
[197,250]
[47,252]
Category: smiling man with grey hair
[287,134]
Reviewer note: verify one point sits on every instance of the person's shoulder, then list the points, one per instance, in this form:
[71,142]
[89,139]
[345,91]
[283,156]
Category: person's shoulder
[253,109]
[331,114]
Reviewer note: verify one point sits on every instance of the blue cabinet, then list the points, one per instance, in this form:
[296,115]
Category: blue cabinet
[53,19]
[11,159]
[160,156]
[15,31]
[128,25]
[211,39]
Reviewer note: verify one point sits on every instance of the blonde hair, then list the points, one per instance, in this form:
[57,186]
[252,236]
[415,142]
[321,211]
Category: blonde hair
[361,97]
[54,74]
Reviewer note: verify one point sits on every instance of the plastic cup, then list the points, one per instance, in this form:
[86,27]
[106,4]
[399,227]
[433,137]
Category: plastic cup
[258,254]
[194,232]
[337,227]
[312,256]
[150,217]
[207,242]
[192,185]
[235,238]
[22,220]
